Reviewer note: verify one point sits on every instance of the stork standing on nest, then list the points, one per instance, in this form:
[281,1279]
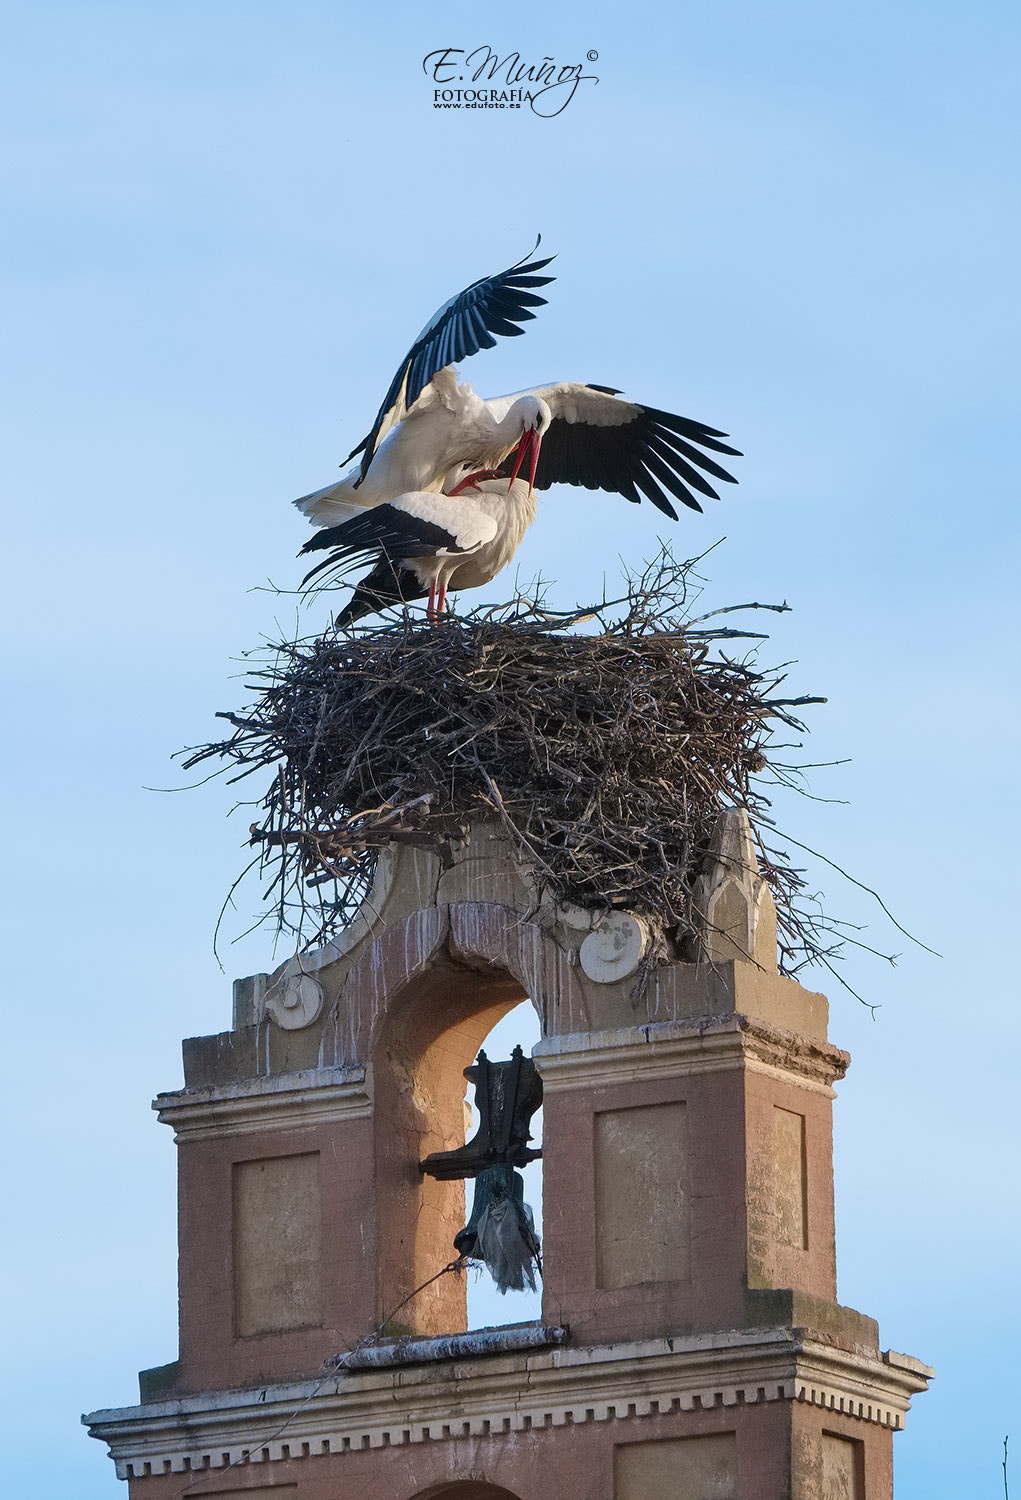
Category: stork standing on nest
[425,543]
[566,432]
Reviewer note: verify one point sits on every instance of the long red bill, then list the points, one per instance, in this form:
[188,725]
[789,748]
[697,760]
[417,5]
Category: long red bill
[529,444]
[536,440]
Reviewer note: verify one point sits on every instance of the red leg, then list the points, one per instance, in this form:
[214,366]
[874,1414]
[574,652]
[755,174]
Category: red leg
[430,609]
[441,601]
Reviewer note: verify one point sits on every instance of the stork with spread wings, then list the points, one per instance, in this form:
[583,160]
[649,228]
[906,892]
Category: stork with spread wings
[431,431]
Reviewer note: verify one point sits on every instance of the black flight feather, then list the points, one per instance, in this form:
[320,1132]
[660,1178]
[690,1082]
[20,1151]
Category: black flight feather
[381,529]
[656,453]
[466,324]
[388,583]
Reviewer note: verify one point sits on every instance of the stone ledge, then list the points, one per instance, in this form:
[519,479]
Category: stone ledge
[502,1393]
[284,1100]
[481,1341]
[908,1363]
[702,1044]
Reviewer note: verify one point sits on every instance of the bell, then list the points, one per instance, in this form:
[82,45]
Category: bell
[507,1094]
[491,1185]
[501,1231]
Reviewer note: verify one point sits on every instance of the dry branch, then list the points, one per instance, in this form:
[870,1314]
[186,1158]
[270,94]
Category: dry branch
[606,740]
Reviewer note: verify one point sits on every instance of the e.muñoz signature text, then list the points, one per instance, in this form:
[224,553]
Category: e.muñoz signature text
[557,83]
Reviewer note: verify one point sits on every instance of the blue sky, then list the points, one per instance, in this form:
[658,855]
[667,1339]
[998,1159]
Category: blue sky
[225,223]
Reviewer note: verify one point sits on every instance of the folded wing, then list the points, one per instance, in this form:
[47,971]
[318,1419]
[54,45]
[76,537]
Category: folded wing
[415,525]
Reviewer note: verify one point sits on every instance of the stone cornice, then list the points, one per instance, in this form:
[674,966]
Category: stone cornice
[666,1049]
[284,1101]
[503,1393]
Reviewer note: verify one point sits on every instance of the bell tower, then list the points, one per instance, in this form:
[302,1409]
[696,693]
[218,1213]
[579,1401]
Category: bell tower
[691,1342]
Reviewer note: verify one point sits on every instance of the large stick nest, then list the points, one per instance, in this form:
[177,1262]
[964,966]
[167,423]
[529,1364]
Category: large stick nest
[607,742]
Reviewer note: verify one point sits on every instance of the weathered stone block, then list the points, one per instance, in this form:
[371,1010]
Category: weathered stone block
[642,1195]
[277,1245]
[705,1467]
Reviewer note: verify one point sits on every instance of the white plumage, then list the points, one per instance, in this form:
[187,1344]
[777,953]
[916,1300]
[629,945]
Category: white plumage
[568,432]
[424,542]
[448,426]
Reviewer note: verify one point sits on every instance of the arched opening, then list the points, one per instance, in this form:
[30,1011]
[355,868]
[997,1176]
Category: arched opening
[432,1032]
[487,1307]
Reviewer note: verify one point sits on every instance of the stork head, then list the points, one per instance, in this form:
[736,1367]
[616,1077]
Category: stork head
[535,417]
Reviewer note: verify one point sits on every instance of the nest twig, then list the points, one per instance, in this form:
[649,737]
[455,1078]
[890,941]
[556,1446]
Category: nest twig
[607,741]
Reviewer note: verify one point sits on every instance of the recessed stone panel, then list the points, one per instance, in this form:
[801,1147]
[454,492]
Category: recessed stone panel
[277,1245]
[695,1468]
[842,1468]
[642,1196]
[261,1492]
[790,1181]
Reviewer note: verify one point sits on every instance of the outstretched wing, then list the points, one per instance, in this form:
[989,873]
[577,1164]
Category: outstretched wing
[603,442]
[463,326]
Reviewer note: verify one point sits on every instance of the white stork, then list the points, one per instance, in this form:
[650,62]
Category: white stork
[424,543]
[571,433]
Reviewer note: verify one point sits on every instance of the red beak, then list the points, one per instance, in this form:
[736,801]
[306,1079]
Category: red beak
[470,481]
[530,441]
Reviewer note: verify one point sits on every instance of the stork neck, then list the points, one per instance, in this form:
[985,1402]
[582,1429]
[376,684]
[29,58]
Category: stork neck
[510,426]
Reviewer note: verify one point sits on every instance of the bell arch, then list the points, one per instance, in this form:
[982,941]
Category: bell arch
[426,1008]
[477,935]
[432,1032]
